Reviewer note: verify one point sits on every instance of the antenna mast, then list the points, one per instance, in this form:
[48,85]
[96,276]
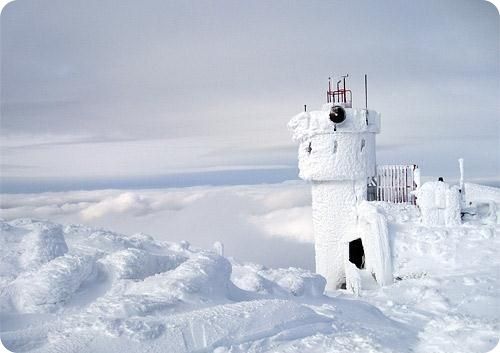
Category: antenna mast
[366,91]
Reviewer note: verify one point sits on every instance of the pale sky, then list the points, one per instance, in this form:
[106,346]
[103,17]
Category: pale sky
[116,90]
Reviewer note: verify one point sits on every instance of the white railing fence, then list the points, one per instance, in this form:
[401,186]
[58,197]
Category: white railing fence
[394,183]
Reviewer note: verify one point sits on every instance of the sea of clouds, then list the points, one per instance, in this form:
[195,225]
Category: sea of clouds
[268,223]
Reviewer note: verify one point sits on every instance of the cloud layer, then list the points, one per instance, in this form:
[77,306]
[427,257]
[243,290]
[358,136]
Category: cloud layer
[116,88]
[270,224]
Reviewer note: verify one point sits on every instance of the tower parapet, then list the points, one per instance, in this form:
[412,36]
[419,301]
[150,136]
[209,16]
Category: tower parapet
[333,151]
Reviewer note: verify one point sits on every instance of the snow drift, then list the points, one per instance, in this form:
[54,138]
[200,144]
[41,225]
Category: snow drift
[97,290]
[76,288]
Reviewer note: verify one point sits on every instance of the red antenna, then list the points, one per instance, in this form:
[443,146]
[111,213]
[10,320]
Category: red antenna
[343,91]
[340,95]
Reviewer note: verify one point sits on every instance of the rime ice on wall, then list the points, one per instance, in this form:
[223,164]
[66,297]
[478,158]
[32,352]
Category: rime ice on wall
[338,159]
[375,237]
[334,215]
[452,212]
[352,277]
[439,204]
[342,152]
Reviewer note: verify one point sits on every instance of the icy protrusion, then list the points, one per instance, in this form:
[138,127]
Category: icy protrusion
[375,238]
[417,178]
[352,278]
[452,211]
[439,204]
[462,185]
[44,243]
[219,248]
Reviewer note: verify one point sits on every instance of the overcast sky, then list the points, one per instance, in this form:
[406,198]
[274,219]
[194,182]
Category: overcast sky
[118,89]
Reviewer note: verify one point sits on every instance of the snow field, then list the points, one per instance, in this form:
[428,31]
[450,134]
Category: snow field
[108,292]
[112,290]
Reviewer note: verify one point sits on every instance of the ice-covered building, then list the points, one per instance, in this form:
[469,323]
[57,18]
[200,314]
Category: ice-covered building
[439,203]
[337,155]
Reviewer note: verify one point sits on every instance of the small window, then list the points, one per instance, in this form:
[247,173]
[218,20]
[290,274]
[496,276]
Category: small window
[334,146]
[362,145]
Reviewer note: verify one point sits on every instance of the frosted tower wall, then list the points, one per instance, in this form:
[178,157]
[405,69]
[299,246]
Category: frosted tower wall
[338,160]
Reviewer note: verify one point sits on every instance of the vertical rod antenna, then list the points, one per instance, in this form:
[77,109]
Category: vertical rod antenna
[338,92]
[305,107]
[328,95]
[344,90]
[366,91]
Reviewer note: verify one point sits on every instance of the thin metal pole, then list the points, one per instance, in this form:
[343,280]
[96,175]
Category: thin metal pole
[328,95]
[344,90]
[366,91]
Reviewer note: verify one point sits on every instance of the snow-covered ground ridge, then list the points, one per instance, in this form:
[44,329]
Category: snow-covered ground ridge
[75,288]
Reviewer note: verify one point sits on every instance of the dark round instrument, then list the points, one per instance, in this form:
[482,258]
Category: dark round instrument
[337,114]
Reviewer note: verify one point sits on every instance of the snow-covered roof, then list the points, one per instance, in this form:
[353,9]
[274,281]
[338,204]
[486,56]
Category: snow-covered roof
[307,124]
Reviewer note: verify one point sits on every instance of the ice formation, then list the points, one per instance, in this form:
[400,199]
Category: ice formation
[337,159]
[108,292]
[375,236]
[439,203]
[328,151]
[155,296]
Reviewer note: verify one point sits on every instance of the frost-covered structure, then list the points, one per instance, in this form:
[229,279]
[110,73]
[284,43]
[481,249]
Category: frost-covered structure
[337,155]
[439,204]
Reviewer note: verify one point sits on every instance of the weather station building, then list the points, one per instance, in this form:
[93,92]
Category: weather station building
[337,155]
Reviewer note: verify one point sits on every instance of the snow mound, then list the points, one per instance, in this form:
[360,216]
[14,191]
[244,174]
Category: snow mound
[27,244]
[111,241]
[107,292]
[139,264]
[278,282]
[204,275]
[51,286]
[42,242]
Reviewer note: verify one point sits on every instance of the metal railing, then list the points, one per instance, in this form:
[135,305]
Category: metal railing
[394,183]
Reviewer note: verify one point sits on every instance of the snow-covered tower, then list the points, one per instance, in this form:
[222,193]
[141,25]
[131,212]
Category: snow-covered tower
[337,154]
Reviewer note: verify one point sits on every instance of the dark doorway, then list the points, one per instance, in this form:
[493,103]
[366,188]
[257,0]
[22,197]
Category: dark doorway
[357,253]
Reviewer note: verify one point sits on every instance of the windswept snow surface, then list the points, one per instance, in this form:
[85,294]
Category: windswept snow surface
[75,288]
[110,292]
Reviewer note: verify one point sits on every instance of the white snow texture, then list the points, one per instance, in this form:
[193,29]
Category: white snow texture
[80,289]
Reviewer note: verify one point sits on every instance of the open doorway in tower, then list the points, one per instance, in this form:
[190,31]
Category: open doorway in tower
[357,253]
